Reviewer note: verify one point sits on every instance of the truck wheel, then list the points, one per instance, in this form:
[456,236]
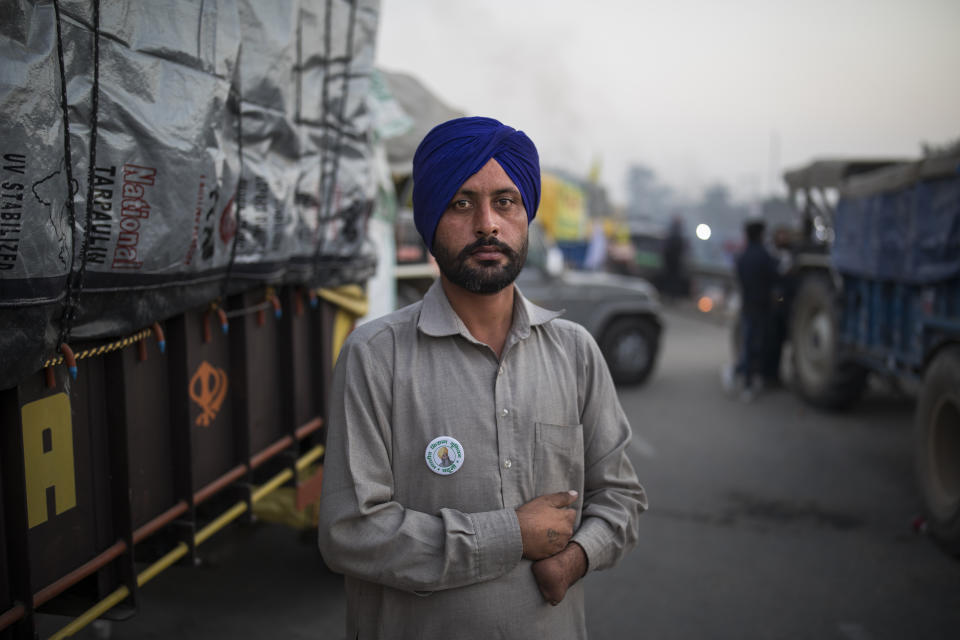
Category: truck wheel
[630,347]
[819,375]
[938,448]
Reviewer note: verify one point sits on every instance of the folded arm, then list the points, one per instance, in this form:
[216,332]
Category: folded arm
[363,531]
[613,497]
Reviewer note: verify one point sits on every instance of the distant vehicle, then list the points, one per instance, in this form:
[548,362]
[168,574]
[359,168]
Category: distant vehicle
[643,255]
[827,374]
[621,312]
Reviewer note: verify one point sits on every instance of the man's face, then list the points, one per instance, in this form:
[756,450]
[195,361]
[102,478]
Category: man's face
[481,240]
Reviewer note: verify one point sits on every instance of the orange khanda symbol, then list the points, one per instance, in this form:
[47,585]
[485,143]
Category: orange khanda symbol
[208,387]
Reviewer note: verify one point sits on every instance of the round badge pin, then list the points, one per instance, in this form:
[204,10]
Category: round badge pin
[444,455]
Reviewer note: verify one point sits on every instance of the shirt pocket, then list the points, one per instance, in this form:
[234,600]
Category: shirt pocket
[558,458]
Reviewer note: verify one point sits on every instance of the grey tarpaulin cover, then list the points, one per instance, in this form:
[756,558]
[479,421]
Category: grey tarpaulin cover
[901,223]
[178,217]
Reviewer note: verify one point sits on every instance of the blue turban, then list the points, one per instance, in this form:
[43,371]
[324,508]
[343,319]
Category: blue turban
[457,149]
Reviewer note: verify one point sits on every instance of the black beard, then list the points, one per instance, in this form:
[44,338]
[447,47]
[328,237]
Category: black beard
[485,280]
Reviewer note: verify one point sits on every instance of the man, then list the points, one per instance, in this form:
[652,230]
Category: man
[758,276]
[674,281]
[536,488]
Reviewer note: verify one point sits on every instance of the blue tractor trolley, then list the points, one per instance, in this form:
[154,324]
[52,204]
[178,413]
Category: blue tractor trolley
[878,292]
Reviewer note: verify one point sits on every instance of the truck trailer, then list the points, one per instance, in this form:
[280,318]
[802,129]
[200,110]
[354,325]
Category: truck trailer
[184,192]
[877,292]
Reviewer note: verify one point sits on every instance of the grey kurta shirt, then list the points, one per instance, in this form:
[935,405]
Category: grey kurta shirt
[440,556]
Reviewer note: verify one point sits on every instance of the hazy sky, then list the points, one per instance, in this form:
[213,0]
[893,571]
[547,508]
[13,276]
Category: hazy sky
[700,91]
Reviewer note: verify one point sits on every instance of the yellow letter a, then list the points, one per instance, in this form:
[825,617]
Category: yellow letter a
[48,456]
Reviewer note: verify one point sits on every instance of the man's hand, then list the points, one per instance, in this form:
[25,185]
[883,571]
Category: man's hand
[555,574]
[546,524]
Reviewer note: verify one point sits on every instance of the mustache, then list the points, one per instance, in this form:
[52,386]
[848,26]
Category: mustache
[488,241]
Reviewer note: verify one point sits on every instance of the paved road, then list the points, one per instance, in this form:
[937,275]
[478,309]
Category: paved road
[771,520]
[767,520]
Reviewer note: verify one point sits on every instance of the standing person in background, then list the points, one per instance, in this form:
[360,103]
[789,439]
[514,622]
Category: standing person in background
[476,463]
[757,276]
[674,279]
[596,258]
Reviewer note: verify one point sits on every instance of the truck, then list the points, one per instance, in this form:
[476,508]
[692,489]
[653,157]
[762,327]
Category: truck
[184,191]
[876,281]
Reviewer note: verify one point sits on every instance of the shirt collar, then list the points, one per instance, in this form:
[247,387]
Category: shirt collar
[437,317]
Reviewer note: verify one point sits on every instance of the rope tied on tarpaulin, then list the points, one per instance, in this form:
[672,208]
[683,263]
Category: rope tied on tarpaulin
[240,198]
[75,275]
[328,178]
